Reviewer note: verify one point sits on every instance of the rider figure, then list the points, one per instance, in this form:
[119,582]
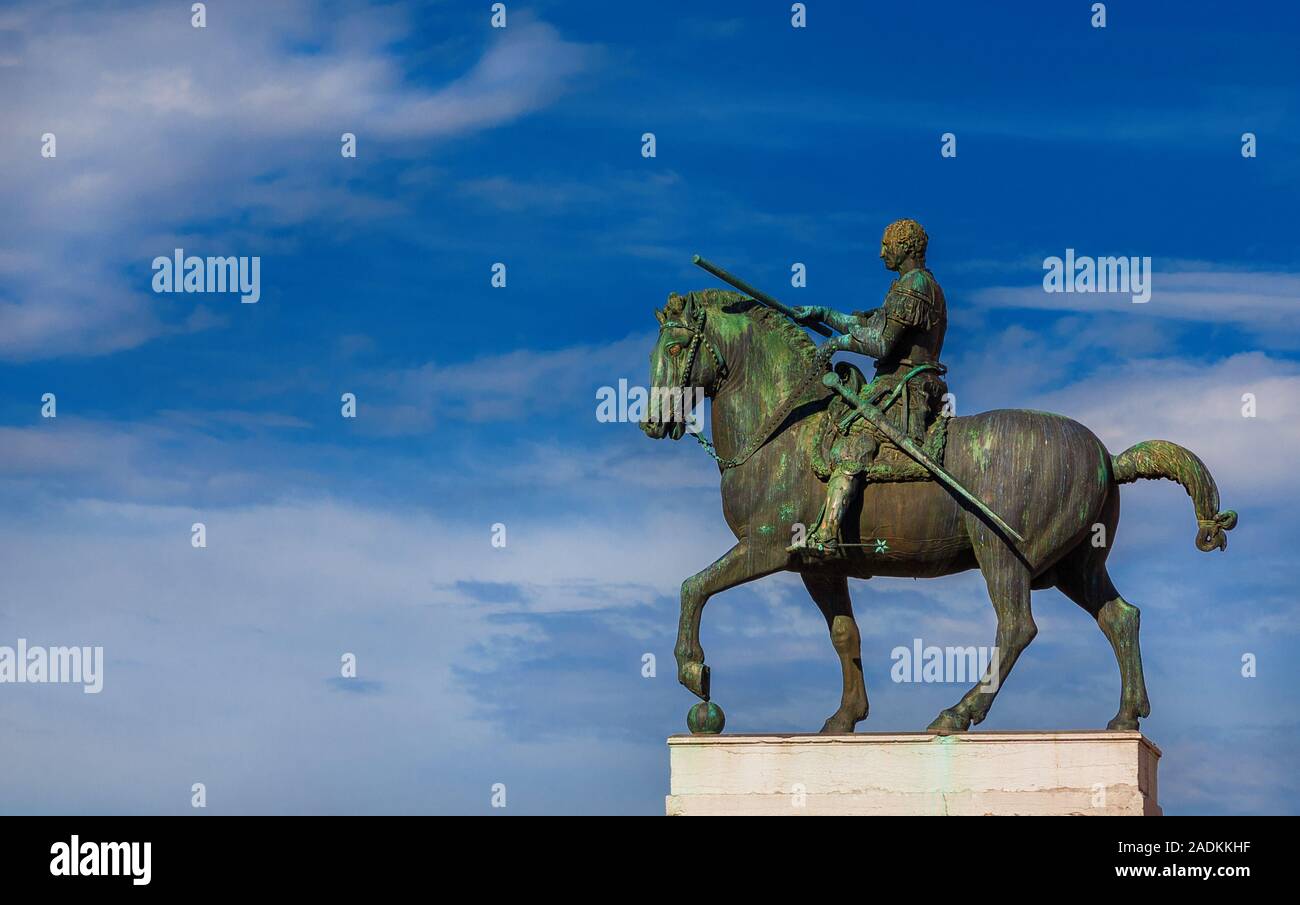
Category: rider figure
[905,336]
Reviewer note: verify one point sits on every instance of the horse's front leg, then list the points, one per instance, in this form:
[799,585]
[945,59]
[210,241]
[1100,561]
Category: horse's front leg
[744,562]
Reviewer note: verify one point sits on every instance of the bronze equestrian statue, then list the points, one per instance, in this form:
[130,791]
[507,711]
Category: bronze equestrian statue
[1029,498]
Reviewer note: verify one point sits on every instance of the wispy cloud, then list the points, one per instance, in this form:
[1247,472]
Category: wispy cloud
[504,386]
[1200,405]
[1263,303]
[159,125]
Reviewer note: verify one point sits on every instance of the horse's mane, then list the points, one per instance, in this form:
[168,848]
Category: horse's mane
[765,319]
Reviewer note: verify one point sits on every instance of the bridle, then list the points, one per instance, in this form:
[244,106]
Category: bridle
[698,337]
[695,326]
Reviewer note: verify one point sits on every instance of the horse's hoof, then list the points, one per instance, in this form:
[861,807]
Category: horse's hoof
[1125,724]
[949,721]
[695,676]
[837,726]
[705,718]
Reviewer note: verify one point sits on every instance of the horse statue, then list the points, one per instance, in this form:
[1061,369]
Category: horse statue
[1048,476]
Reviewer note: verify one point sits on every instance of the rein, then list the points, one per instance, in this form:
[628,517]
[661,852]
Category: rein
[696,330]
[819,365]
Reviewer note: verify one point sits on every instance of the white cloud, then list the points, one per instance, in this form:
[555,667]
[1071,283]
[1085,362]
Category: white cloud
[1258,301]
[220,661]
[1198,405]
[160,125]
[506,386]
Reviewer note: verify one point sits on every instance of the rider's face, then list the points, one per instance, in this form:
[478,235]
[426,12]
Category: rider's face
[892,254]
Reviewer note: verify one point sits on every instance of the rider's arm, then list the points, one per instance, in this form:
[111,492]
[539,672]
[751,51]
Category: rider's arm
[909,303]
[842,322]
[838,321]
[875,334]
[870,333]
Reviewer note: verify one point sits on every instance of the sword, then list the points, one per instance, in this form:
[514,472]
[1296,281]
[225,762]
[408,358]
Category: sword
[877,417]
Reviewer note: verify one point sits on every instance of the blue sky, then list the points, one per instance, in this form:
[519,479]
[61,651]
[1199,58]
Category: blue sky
[522,145]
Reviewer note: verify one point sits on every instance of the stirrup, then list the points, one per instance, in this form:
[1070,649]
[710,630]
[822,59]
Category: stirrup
[830,549]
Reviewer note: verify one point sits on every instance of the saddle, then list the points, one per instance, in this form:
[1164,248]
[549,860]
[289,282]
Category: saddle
[889,463]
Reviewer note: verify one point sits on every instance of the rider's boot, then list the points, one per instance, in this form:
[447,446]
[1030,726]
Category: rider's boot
[826,538]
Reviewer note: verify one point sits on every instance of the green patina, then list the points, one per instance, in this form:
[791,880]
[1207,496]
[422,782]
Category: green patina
[940,770]
[781,475]
[980,450]
[761,368]
[706,718]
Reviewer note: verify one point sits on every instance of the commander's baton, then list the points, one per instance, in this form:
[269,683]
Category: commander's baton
[761,297]
[877,417]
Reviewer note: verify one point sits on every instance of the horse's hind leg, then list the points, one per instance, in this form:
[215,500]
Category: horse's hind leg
[831,594]
[1086,582]
[1008,582]
[1081,575]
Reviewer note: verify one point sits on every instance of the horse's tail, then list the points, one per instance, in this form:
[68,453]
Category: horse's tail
[1162,459]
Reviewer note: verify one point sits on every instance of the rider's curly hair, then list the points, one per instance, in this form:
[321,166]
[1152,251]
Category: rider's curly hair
[910,235]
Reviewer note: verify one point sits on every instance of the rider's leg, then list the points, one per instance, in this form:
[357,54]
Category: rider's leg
[841,489]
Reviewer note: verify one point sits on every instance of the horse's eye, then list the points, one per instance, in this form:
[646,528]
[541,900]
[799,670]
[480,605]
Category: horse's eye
[674,350]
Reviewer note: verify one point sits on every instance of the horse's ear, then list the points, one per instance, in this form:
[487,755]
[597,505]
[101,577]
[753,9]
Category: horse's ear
[689,308]
[661,317]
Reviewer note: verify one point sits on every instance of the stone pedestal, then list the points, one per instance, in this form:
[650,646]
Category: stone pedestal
[915,773]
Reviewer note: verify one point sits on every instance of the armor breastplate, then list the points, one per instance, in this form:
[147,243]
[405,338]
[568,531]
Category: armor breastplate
[921,305]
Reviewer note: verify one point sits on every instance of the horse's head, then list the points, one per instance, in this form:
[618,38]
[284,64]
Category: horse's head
[685,364]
